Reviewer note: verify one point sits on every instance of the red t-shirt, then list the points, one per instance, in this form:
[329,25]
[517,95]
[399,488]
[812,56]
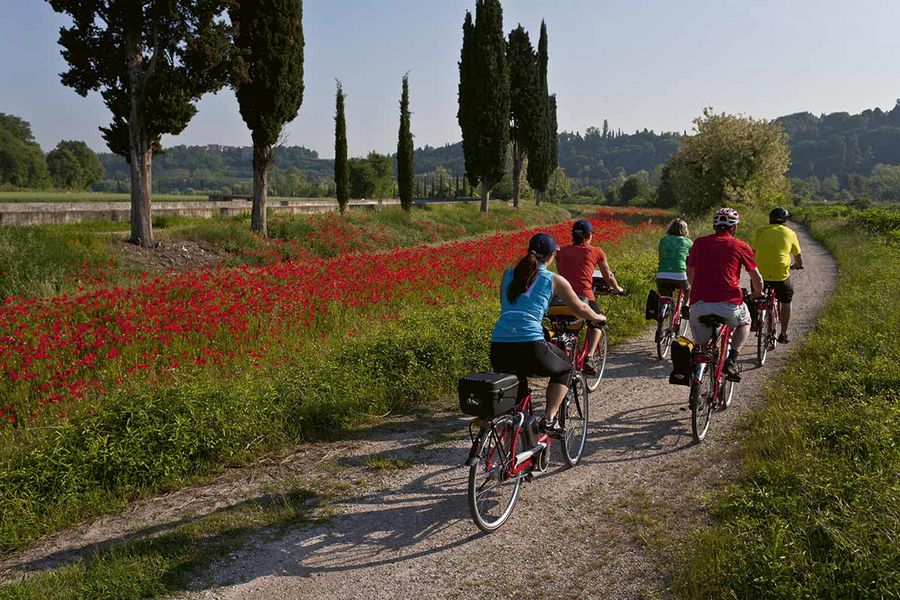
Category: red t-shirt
[717,261]
[576,264]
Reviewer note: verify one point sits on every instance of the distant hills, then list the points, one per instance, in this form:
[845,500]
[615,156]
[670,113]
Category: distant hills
[837,144]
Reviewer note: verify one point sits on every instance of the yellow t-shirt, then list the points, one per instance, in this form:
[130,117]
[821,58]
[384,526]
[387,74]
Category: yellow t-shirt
[774,245]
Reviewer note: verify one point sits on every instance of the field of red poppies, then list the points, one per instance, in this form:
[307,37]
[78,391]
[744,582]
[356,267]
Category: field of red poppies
[73,348]
[120,391]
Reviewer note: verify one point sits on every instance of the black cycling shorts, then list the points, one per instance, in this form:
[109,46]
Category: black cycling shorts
[530,359]
[784,290]
[667,287]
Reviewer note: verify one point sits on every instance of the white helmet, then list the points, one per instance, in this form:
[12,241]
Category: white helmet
[726,217]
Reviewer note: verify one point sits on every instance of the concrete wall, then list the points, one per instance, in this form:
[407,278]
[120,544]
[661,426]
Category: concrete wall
[33,213]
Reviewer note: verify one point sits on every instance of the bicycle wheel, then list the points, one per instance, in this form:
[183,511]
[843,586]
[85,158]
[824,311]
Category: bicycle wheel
[574,417]
[762,338]
[492,493]
[599,358]
[726,393]
[701,402]
[664,332]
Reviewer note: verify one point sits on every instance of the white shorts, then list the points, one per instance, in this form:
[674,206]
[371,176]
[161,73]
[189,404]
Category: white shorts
[734,314]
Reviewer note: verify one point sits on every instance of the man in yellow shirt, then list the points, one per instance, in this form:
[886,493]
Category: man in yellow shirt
[774,245]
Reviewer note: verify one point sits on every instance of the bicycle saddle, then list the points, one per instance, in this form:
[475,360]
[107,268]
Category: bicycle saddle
[712,320]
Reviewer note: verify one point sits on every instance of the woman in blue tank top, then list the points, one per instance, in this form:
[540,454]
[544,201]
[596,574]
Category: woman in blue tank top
[517,344]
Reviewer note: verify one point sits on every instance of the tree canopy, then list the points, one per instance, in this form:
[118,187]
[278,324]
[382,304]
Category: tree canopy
[405,151]
[731,160]
[73,165]
[341,168]
[525,98]
[372,176]
[22,162]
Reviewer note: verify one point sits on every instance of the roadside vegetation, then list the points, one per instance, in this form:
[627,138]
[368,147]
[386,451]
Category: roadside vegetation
[816,510]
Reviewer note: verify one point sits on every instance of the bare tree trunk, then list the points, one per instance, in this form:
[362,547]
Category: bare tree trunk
[538,197]
[262,162]
[485,196]
[140,146]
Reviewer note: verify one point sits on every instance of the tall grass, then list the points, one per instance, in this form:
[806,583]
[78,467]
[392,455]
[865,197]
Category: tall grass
[816,511]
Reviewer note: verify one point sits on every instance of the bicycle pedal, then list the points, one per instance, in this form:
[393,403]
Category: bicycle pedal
[528,478]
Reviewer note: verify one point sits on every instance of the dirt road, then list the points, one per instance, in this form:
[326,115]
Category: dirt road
[600,530]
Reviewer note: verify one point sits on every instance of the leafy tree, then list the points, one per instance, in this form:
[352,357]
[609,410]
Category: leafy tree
[731,160]
[558,186]
[484,97]
[371,177]
[636,187]
[525,96]
[341,167]
[268,81]
[22,162]
[405,151]
[665,194]
[73,165]
[150,61]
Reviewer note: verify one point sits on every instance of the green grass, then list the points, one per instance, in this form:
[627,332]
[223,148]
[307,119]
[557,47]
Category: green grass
[149,567]
[381,463]
[816,511]
[82,196]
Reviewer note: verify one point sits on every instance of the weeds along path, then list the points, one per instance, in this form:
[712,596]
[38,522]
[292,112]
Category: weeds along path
[397,521]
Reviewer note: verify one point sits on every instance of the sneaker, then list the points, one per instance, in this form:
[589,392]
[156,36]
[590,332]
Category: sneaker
[783,338]
[731,371]
[552,427]
[590,367]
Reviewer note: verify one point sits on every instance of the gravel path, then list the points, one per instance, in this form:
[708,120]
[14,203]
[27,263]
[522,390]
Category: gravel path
[600,530]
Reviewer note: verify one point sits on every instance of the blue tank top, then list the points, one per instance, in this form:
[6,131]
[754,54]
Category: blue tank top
[520,321]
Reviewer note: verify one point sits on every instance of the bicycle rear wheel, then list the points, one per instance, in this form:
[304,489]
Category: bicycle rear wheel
[492,494]
[664,335]
[762,338]
[574,417]
[701,401]
[599,358]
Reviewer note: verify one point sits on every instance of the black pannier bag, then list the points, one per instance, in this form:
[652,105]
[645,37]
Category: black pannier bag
[651,311]
[682,365]
[487,395]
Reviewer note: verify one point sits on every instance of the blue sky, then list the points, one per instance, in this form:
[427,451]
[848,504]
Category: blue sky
[639,63]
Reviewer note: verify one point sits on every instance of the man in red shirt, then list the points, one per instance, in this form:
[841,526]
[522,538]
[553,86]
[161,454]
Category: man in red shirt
[714,272]
[576,263]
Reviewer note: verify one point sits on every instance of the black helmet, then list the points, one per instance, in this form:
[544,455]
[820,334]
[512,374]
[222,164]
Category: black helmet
[779,215]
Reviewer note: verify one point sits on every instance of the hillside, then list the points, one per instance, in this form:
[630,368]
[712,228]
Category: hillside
[837,145]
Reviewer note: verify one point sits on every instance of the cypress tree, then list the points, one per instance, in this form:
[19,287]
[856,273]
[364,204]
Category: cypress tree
[341,165]
[405,150]
[541,154]
[525,97]
[484,97]
[268,82]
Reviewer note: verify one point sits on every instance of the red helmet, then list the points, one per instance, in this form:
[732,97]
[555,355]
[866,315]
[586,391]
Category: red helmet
[726,217]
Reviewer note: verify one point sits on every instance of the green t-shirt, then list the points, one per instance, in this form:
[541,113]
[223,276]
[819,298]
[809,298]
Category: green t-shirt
[673,252]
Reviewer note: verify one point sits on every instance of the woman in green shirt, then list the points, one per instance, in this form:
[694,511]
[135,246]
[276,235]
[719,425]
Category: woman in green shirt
[673,250]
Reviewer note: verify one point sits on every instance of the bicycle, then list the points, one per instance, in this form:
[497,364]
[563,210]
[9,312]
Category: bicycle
[710,390]
[671,323]
[508,447]
[767,321]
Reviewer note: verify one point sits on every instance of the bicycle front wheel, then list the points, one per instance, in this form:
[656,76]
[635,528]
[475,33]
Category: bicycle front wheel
[574,417]
[492,492]
[599,358]
[762,339]
[701,401]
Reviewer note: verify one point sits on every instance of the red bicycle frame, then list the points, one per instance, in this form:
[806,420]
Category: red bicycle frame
[667,300]
[524,408]
[704,357]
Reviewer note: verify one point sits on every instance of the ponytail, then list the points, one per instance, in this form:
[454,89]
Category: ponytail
[523,276]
